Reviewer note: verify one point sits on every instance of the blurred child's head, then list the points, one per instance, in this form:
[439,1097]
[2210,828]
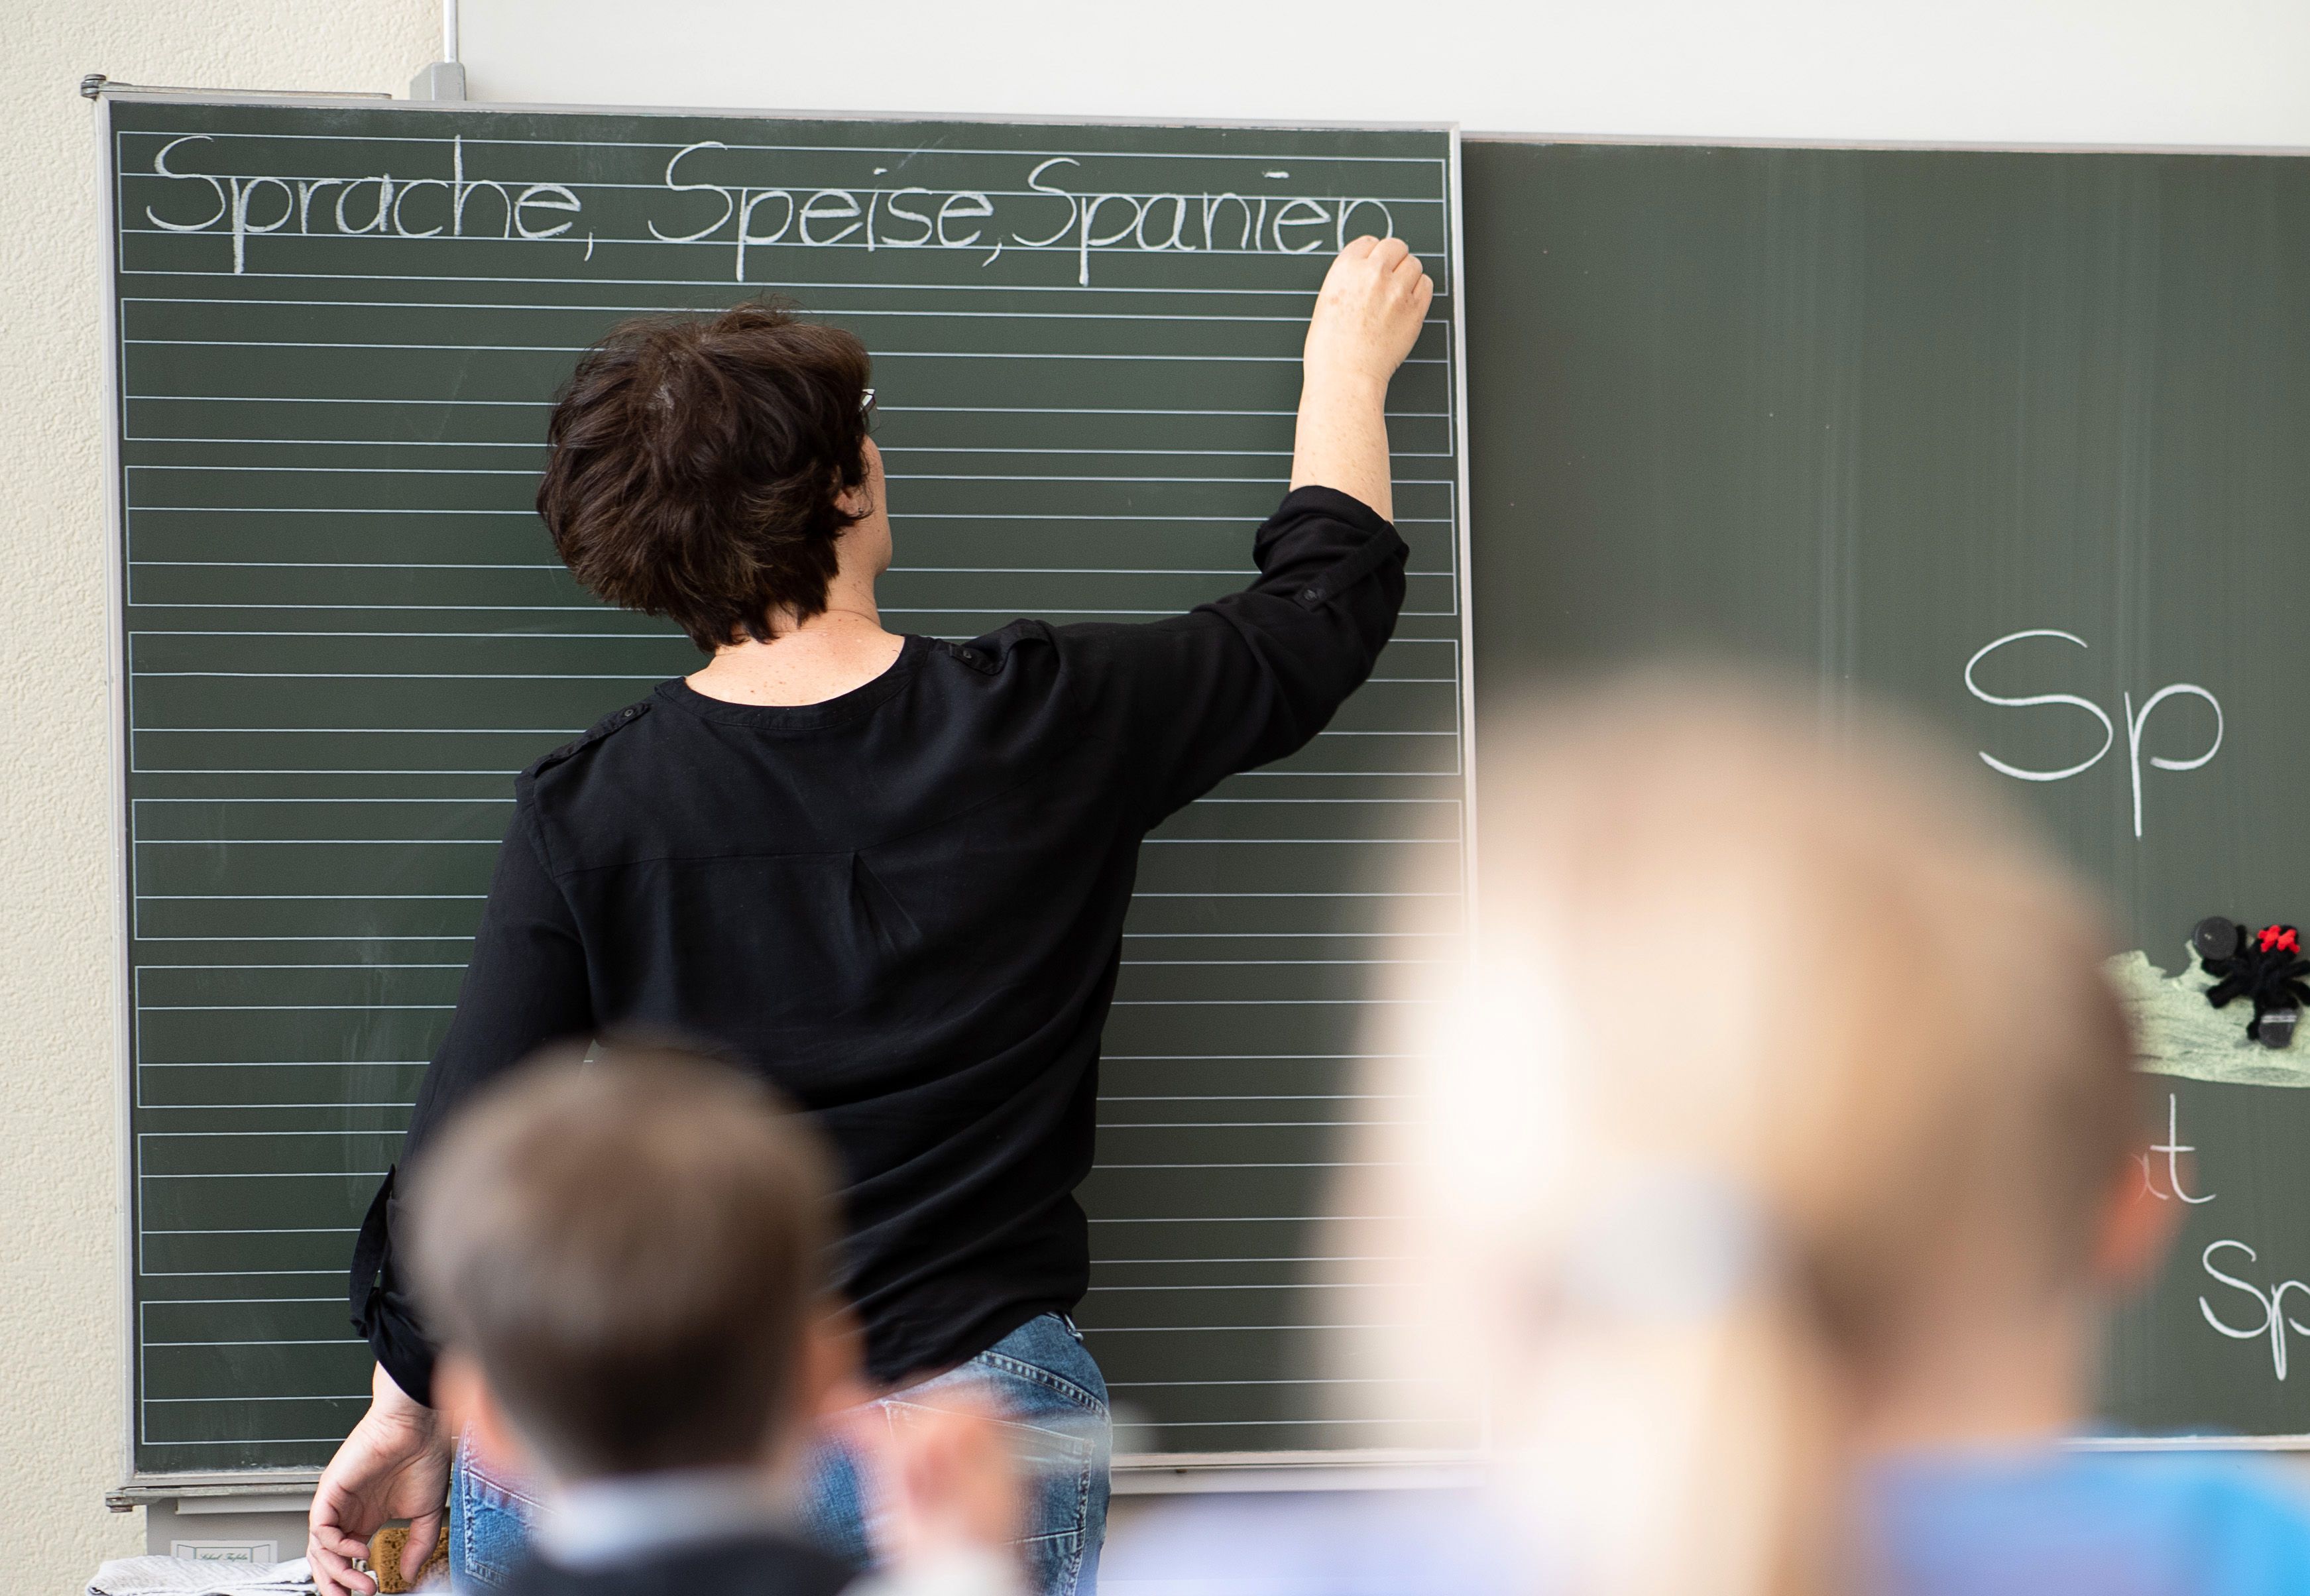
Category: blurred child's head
[623,1258]
[1784,1061]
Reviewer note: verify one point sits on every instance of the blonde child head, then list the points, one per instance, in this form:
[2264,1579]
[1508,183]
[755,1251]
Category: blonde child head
[1781,1050]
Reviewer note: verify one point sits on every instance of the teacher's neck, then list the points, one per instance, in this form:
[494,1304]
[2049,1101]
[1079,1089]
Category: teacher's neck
[807,661]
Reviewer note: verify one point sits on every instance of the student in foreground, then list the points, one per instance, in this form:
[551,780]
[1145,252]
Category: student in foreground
[626,1260]
[1774,1162]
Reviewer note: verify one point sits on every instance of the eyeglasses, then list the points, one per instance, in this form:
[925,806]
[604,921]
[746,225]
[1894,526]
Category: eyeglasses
[866,404]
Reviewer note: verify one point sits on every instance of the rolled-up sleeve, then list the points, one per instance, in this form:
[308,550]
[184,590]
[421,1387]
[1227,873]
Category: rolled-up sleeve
[1252,677]
[526,987]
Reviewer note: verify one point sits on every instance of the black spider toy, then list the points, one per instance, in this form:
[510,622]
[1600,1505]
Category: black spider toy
[2266,965]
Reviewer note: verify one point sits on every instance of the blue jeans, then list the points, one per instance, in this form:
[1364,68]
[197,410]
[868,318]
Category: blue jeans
[1040,1376]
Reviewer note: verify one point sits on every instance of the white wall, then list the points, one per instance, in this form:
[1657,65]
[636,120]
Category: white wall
[62,1418]
[2131,72]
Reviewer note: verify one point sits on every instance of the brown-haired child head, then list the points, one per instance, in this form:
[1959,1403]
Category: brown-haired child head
[624,1259]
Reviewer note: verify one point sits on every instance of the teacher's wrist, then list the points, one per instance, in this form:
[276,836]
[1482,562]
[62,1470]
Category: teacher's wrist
[1345,385]
[385,1395]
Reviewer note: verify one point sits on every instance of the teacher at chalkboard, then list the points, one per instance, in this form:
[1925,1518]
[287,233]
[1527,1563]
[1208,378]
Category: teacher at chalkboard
[887,872]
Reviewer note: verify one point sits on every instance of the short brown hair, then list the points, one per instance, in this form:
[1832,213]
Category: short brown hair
[631,1249]
[696,464]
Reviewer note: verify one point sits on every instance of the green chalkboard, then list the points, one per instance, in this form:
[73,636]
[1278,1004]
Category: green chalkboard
[1869,413]
[343,630]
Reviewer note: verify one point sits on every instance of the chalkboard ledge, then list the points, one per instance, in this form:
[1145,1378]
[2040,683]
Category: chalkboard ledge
[1175,1473]
[1139,1474]
[234,1492]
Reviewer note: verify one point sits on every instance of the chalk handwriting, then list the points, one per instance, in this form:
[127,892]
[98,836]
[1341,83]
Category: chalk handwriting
[745,201]
[2173,1148]
[2272,1305]
[2135,722]
[1055,210]
[247,206]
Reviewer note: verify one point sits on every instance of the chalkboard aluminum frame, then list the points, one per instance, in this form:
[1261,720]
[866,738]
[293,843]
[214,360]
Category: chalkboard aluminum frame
[115,665]
[1151,1473]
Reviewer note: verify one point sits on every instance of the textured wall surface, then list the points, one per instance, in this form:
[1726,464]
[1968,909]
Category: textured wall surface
[2121,72]
[61,1347]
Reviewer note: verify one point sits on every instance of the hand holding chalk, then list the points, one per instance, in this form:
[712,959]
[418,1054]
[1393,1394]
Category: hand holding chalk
[1367,315]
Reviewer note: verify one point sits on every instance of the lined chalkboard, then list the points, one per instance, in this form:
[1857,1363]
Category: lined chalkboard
[1962,429]
[343,631]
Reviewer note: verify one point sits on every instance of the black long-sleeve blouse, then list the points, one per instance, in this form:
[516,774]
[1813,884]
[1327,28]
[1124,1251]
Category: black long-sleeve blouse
[905,907]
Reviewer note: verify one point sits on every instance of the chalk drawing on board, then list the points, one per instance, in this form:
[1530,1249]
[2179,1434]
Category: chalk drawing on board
[2178,1032]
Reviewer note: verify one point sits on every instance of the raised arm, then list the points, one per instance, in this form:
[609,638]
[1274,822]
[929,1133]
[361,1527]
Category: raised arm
[1246,679]
[1373,303]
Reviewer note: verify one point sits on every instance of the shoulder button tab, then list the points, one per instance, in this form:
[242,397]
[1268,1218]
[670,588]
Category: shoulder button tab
[614,720]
